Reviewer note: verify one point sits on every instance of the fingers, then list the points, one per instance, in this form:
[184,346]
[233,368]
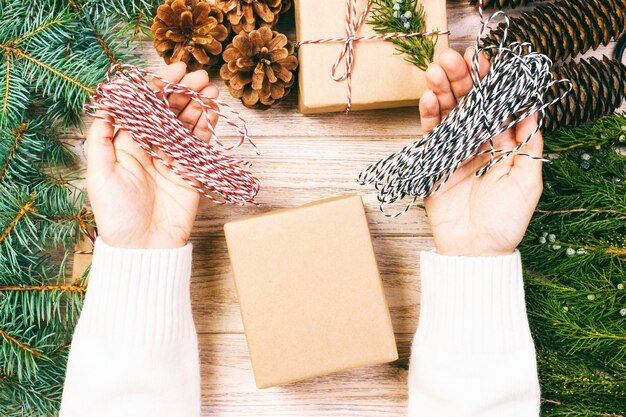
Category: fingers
[429,111]
[174,72]
[192,115]
[196,80]
[437,81]
[483,62]
[450,79]
[457,72]
[100,151]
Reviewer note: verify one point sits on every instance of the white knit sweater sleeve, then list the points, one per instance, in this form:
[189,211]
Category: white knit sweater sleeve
[472,354]
[135,351]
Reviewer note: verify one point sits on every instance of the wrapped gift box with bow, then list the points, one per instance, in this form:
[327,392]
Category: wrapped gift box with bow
[346,65]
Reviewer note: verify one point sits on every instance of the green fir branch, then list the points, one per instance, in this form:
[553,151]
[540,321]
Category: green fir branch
[55,54]
[404,16]
[52,55]
[34,398]
[575,261]
[134,17]
[39,211]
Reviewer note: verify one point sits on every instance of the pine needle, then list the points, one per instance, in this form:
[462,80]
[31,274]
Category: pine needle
[418,50]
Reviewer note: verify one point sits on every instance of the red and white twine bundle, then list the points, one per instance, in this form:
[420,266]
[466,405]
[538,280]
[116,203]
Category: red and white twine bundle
[354,21]
[127,100]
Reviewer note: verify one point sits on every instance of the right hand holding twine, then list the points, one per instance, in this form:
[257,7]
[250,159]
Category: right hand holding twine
[486,215]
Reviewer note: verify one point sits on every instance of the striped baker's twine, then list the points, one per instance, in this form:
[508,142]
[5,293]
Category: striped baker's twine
[512,91]
[91,238]
[127,100]
[354,21]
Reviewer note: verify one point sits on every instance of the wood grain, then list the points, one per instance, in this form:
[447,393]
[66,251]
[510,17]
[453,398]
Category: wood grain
[306,158]
[228,386]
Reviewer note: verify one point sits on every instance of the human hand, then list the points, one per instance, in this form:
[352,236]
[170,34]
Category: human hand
[487,215]
[137,202]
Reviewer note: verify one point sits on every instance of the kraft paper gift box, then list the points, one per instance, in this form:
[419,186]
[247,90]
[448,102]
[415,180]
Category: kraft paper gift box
[311,298]
[381,78]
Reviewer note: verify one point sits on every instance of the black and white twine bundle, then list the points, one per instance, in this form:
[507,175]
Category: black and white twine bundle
[512,91]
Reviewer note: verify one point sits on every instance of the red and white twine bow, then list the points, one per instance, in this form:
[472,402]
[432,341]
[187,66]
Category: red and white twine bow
[127,100]
[354,21]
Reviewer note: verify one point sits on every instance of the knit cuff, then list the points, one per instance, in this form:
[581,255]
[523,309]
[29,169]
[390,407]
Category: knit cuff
[139,297]
[472,304]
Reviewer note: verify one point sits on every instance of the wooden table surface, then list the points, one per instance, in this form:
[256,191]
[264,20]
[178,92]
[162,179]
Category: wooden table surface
[306,158]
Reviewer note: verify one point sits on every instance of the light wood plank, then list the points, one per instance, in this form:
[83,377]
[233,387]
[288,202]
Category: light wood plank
[228,386]
[214,297]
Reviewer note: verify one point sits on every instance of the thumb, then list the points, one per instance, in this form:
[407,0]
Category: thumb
[100,151]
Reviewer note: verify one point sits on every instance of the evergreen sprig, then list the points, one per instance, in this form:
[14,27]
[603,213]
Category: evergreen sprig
[55,52]
[133,16]
[52,55]
[575,257]
[404,16]
[40,211]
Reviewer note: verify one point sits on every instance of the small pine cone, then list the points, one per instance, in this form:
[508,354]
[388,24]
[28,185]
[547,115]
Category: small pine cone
[259,67]
[191,31]
[501,4]
[247,15]
[566,28]
[598,89]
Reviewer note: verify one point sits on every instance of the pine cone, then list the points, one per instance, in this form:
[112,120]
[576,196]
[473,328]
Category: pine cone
[501,4]
[247,15]
[567,27]
[598,89]
[287,5]
[259,67]
[191,31]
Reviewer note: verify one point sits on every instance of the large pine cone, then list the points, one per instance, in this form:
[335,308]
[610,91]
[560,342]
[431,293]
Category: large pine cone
[259,67]
[567,27]
[191,31]
[501,4]
[247,15]
[598,89]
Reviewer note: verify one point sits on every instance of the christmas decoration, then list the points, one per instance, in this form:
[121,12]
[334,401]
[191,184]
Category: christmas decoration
[296,273]
[247,15]
[287,6]
[598,89]
[500,4]
[259,67]
[404,16]
[128,101]
[375,77]
[39,210]
[132,16]
[39,62]
[191,31]
[53,55]
[566,28]
[575,261]
[515,86]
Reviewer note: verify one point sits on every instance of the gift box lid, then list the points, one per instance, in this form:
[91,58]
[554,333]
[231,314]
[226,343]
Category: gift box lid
[381,76]
[311,297]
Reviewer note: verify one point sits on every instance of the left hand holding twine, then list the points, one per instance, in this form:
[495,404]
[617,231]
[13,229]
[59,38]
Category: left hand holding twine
[137,202]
